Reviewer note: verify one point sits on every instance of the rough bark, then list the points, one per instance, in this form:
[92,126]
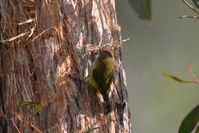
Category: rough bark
[44,43]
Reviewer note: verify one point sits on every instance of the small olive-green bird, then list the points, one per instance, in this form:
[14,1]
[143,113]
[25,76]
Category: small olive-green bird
[101,76]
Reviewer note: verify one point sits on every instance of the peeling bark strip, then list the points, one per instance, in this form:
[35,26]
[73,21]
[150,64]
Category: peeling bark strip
[42,43]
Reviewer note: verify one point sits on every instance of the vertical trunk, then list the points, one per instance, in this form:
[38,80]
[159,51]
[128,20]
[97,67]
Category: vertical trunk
[42,44]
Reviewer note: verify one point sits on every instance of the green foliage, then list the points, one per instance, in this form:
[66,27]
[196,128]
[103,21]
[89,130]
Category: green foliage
[190,122]
[174,78]
[27,103]
[142,8]
[196,2]
[39,107]
[91,130]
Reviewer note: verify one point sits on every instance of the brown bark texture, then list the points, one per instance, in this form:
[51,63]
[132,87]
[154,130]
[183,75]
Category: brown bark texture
[43,46]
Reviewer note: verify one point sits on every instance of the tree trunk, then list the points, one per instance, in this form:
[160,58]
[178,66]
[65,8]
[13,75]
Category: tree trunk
[44,45]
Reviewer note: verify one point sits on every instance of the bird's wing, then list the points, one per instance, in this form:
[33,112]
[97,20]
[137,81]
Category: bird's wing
[109,81]
[98,76]
[102,80]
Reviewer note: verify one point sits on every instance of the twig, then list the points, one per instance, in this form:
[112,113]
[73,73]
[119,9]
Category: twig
[125,40]
[190,6]
[12,120]
[15,37]
[27,21]
[42,33]
[21,23]
[195,79]
[31,32]
[35,128]
[186,16]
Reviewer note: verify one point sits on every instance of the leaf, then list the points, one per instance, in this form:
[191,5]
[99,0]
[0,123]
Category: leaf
[190,121]
[196,2]
[39,107]
[27,103]
[142,8]
[92,130]
[174,78]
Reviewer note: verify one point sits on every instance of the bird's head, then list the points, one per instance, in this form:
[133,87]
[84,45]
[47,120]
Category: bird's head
[105,54]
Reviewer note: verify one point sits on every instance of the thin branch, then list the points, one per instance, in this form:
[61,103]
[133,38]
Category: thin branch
[186,16]
[15,37]
[29,123]
[31,32]
[190,6]
[125,40]
[27,21]
[35,128]
[12,120]
[195,79]
[42,33]
[21,23]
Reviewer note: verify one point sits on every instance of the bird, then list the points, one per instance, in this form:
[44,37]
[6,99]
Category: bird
[100,76]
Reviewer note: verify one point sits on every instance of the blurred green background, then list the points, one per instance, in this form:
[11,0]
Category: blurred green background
[169,44]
